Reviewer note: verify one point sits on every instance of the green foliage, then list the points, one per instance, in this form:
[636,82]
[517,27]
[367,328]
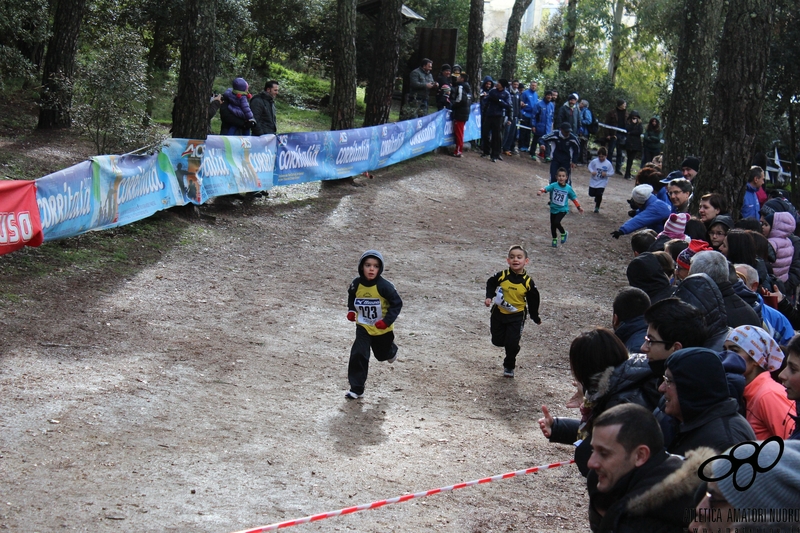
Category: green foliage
[110,92]
[594,86]
[643,75]
[23,29]
[296,88]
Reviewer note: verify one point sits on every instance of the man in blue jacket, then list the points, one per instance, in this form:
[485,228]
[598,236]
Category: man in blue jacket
[648,212]
[496,113]
[563,147]
[542,121]
[750,206]
[527,104]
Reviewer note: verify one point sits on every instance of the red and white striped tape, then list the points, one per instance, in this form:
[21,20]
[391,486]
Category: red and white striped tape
[404,498]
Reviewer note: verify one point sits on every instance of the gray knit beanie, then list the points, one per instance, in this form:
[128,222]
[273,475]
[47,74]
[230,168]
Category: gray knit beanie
[778,488]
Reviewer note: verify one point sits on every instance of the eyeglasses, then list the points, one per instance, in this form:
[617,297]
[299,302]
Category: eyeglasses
[667,381]
[649,341]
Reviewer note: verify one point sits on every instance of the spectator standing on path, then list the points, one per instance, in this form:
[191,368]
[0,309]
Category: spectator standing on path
[542,121]
[633,145]
[651,145]
[751,207]
[562,149]
[527,105]
[614,139]
[587,119]
[461,98]
[496,113]
[511,294]
[421,81]
[442,80]
[570,113]
[510,137]
[263,106]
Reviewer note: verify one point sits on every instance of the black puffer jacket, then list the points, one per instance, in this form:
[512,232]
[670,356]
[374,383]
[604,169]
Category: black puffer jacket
[630,382]
[632,333]
[739,313]
[700,291]
[645,272]
[710,416]
[460,109]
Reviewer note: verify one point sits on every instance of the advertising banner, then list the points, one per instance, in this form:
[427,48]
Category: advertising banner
[233,165]
[128,188]
[20,224]
[65,201]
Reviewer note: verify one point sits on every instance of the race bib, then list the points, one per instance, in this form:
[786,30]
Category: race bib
[559,197]
[368,310]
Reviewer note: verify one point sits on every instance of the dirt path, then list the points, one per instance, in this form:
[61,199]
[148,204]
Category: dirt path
[205,392]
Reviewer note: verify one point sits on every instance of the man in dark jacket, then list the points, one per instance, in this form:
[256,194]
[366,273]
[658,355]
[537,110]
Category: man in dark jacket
[569,112]
[634,484]
[510,134]
[738,312]
[263,107]
[496,113]
[617,117]
[628,319]
[633,143]
[696,394]
[563,149]
[700,291]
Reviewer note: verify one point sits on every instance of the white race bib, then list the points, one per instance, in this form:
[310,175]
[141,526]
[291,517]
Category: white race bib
[559,197]
[368,310]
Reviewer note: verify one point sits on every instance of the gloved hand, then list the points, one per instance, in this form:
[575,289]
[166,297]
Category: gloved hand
[632,213]
[380,324]
[537,320]
[617,234]
[351,316]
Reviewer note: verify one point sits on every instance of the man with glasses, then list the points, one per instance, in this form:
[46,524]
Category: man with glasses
[680,192]
[696,394]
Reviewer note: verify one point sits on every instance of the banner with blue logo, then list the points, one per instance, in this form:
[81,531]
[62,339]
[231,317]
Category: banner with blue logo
[114,190]
[128,188]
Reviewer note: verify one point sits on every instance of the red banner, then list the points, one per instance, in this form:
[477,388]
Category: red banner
[20,224]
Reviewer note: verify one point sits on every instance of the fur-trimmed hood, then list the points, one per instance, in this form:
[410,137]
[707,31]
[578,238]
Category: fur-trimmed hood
[678,484]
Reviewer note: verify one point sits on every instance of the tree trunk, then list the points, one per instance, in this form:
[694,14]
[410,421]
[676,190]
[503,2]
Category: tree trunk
[616,40]
[570,26]
[509,63]
[198,66]
[475,46]
[380,86]
[735,116]
[59,66]
[344,67]
[688,104]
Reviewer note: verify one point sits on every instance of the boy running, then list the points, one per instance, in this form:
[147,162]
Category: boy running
[560,194]
[507,293]
[601,169]
[373,303]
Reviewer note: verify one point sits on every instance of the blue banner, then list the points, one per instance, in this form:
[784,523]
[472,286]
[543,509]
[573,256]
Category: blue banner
[114,190]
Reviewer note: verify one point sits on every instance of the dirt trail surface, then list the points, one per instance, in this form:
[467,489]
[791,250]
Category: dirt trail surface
[205,392]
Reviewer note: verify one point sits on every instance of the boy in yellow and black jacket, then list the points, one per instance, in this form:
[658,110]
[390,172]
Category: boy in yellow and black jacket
[373,303]
[511,293]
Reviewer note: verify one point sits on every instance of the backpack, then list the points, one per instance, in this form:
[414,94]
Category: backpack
[594,126]
[464,99]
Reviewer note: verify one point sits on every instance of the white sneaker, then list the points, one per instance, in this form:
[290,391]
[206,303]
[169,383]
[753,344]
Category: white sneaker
[508,372]
[350,395]
[393,359]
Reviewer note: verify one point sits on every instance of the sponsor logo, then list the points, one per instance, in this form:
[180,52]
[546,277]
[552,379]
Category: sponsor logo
[66,205]
[298,158]
[15,227]
[424,135]
[392,144]
[354,153]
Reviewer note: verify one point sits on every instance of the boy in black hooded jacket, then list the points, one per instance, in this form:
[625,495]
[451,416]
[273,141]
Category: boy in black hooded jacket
[373,303]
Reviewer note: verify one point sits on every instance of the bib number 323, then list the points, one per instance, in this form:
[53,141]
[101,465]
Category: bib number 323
[368,310]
